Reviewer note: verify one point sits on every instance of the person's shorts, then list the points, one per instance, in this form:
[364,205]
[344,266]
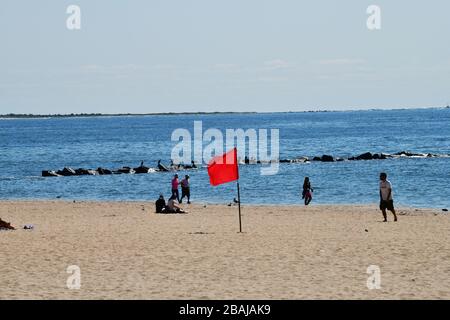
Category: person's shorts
[387,204]
[185,192]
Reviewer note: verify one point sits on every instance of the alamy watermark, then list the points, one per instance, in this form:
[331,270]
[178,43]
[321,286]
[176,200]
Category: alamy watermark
[374,280]
[254,146]
[374,20]
[73,22]
[74,280]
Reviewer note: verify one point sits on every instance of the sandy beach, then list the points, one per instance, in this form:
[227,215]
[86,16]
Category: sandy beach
[125,251]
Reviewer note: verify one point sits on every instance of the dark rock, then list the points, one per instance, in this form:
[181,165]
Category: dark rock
[317,159]
[50,173]
[376,156]
[86,172]
[66,172]
[102,171]
[81,172]
[161,167]
[285,161]
[365,156]
[351,158]
[408,154]
[126,170]
[340,159]
[445,210]
[384,156]
[190,166]
[142,169]
[327,158]
[300,160]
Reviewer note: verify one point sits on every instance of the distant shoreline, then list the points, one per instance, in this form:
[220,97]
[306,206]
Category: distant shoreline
[97,115]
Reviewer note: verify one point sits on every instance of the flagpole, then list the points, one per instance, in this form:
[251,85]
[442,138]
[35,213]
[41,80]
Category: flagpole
[239,206]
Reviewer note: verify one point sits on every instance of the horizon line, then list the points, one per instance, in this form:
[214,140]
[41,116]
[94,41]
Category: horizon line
[100,114]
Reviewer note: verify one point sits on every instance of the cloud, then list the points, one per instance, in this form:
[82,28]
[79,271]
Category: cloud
[341,62]
[276,64]
[91,68]
[227,67]
[271,79]
[96,68]
[164,67]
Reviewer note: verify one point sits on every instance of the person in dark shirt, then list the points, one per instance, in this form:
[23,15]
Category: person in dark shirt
[160,204]
[307,191]
[185,189]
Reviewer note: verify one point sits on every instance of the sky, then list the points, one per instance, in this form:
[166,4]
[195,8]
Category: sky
[230,55]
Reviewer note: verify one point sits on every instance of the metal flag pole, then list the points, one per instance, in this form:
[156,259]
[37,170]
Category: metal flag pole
[239,206]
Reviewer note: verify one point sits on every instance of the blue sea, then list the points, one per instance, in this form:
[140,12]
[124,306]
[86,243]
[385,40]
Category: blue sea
[28,146]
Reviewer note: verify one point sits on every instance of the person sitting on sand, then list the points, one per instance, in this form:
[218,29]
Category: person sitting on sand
[172,206]
[307,191]
[6,225]
[160,204]
[386,200]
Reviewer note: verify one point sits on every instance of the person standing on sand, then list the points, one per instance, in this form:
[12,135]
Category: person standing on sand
[386,199]
[185,189]
[175,184]
[307,191]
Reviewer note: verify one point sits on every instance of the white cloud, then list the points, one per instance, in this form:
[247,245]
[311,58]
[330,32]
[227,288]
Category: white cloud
[96,68]
[341,61]
[227,67]
[272,79]
[276,64]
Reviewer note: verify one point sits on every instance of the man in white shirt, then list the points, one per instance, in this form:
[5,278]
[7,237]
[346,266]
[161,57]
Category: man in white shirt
[386,200]
[172,206]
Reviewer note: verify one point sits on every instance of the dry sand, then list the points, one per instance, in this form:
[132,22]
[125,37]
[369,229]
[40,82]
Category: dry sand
[125,251]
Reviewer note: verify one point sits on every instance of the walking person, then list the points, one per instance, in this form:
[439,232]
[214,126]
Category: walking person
[185,189]
[307,191]
[175,183]
[386,199]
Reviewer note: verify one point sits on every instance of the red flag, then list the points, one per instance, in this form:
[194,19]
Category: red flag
[224,168]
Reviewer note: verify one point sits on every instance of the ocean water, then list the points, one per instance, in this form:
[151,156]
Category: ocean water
[28,146]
